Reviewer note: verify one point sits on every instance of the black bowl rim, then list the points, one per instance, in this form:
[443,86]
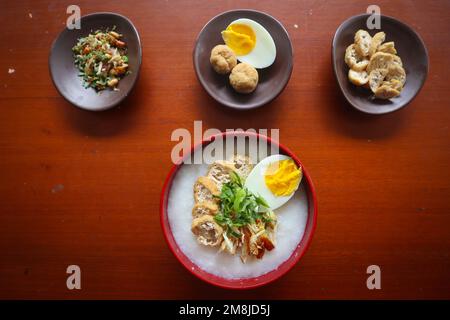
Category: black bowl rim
[235,105]
[356,106]
[122,97]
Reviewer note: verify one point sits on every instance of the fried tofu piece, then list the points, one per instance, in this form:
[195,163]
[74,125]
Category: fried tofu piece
[208,231]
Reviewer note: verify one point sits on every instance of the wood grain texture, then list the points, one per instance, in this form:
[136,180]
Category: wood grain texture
[83,188]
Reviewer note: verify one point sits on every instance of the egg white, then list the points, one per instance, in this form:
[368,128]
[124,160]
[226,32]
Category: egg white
[255,182]
[264,53]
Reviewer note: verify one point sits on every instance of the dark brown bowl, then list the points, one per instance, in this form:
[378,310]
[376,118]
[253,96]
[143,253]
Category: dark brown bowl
[410,48]
[65,74]
[272,80]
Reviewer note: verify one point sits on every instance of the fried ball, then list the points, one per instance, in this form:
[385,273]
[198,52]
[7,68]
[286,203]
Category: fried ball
[222,59]
[244,78]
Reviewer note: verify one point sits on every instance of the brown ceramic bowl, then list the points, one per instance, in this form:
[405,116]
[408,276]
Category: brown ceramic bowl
[410,48]
[65,74]
[272,80]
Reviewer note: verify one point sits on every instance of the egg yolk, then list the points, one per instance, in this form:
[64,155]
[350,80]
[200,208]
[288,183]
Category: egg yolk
[283,177]
[240,38]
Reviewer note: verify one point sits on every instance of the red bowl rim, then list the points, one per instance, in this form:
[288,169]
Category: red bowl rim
[243,283]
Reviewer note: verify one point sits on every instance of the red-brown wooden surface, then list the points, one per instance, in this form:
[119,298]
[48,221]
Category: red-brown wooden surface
[83,188]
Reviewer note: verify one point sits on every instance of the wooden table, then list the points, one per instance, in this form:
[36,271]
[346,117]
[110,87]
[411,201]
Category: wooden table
[83,188]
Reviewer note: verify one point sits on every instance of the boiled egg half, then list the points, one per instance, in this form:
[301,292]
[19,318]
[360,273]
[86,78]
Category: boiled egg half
[275,178]
[251,43]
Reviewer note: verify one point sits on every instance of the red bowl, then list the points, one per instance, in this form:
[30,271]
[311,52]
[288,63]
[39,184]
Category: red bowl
[245,283]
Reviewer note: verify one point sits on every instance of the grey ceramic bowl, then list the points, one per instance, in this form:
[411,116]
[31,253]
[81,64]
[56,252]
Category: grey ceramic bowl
[65,74]
[410,48]
[272,80]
